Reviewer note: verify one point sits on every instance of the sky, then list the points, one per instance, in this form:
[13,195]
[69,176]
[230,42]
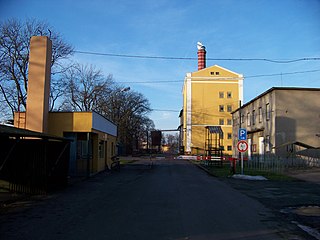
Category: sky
[229,29]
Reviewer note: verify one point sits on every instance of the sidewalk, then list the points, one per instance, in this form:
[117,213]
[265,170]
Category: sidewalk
[309,175]
[296,201]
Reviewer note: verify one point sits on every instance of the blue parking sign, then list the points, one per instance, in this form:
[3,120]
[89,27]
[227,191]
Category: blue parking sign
[242,134]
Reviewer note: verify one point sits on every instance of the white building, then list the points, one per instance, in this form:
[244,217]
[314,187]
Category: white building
[280,120]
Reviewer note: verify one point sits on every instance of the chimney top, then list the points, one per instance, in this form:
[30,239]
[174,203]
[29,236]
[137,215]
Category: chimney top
[201,56]
[200,46]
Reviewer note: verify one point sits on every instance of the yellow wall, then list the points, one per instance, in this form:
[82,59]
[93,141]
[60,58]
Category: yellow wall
[60,122]
[206,101]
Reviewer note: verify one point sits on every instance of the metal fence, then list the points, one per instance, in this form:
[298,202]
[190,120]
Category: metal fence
[273,163]
[34,166]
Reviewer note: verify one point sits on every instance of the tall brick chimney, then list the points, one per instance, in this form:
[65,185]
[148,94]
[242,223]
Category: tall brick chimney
[201,56]
[39,84]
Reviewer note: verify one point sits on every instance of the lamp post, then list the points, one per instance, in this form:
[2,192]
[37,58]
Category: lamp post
[125,89]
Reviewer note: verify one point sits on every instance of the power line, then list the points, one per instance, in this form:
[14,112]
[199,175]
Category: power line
[281,74]
[165,110]
[193,58]
[252,76]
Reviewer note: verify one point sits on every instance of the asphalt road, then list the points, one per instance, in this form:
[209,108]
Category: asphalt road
[172,200]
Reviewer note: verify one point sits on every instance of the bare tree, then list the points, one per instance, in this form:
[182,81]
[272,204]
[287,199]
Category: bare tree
[14,58]
[86,89]
[129,110]
[173,142]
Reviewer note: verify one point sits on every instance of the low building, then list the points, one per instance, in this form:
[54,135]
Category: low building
[279,120]
[93,138]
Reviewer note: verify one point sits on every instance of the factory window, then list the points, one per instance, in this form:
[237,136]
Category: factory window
[221,135]
[242,118]
[260,114]
[268,111]
[253,117]
[267,143]
[248,119]
[229,135]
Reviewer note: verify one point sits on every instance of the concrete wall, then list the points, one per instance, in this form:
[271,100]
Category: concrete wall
[297,116]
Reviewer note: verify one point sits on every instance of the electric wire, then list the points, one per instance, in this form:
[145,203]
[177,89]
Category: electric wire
[252,76]
[194,58]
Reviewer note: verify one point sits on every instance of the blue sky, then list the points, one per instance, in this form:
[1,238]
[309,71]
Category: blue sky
[272,29]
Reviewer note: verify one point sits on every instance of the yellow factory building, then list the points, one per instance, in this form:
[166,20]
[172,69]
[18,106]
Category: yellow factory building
[209,96]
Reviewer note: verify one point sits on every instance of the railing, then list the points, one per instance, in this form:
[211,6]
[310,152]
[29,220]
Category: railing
[272,163]
[34,166]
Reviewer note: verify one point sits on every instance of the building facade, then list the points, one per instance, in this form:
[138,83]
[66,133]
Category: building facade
[209,96]
[278,119]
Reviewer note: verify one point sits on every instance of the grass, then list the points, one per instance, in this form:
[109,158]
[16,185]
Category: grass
[124,162]
[225,171]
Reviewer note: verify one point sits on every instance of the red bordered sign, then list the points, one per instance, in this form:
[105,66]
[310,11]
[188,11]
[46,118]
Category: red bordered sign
[242,146]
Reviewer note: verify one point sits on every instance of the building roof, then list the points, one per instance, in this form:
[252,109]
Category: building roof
[273,89]
[222,68]
[215,129]
[19,132]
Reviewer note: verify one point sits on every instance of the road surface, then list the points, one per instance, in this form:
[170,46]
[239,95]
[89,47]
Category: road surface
[172,200]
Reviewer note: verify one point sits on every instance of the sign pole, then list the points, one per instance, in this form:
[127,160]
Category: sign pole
[242,146]
[241,163]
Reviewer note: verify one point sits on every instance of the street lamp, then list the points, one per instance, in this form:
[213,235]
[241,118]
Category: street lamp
[125,89]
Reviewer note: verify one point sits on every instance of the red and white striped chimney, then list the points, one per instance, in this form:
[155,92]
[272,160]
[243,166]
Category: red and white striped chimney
[201,56]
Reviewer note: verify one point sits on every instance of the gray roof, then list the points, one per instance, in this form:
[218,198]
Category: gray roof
[19,132]
[215,129]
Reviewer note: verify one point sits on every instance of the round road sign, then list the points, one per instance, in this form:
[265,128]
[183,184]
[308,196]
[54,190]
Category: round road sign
[242,146]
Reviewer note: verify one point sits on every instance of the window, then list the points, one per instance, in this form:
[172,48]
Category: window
[221,94]
[221,108]
[268,112]
[229,148]
[242,118]
[221,121]
[267,143]
[253,117]
[101,149]
[221,135]
[229,108]
[260,114]
[217,73]
[229,122]
[248,119]
[229,94]
[212,73]
[229,135]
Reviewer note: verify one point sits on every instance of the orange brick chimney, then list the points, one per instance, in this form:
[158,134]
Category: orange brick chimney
[39,84]
[201,56]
